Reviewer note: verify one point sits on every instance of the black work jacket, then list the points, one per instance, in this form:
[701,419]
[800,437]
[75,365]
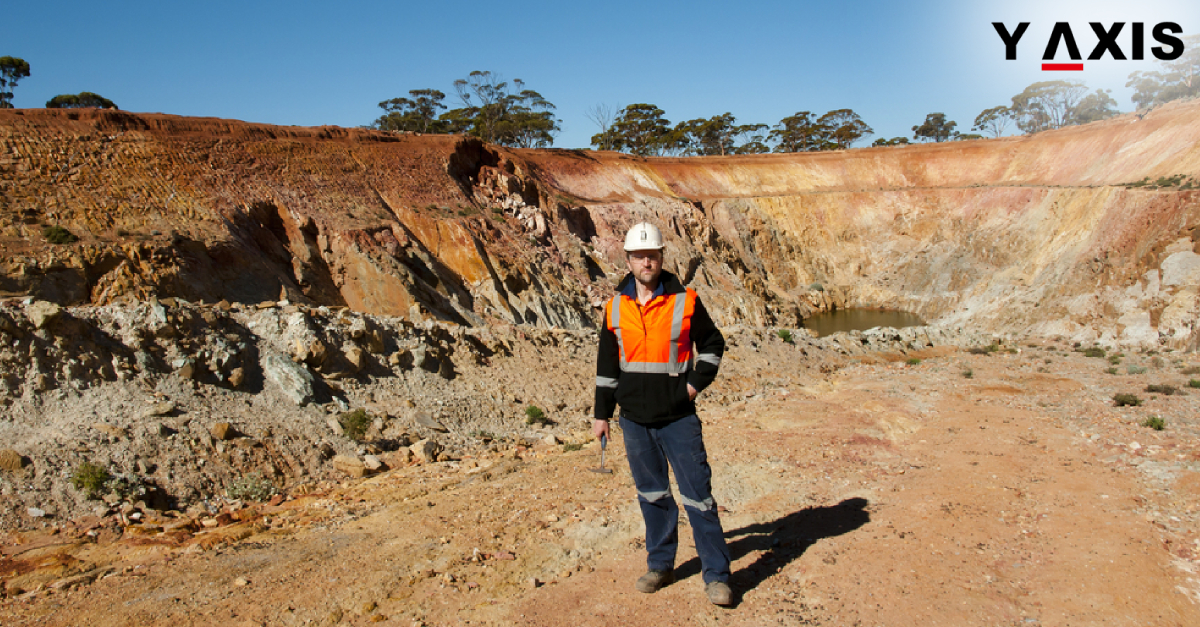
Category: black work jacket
[652,397]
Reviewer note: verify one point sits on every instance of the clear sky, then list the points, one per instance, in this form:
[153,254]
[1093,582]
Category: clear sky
[315,63]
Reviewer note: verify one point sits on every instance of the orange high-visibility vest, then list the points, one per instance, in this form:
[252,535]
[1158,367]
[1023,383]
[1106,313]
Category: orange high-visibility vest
[655,338]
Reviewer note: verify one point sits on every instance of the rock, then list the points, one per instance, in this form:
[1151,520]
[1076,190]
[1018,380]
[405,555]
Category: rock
[35,512]
[241,581]
[223,431]
[295,380]
[551,440]
[425,420]
[356,356]
[162,408]
[397,458]
[312,351]
[423,358]
[426,450]
[110,430]
[335,426]
[185,368]
[237,376]
[351,466]
[11,460]
[42,313]
[375,342]
[372,462]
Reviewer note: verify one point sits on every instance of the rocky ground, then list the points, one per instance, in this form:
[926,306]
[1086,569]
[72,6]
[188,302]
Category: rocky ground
[888,478]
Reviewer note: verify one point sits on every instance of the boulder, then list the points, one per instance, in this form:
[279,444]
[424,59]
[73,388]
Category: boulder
[355,355]
[41,313]
[351,466]
[11,460]
[294,380]
[223,431]
[426,450]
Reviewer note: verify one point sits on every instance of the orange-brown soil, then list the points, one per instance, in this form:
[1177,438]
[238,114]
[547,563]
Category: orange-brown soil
[885,493]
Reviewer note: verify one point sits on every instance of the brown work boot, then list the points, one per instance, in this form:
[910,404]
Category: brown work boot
[655,579]
[719,593]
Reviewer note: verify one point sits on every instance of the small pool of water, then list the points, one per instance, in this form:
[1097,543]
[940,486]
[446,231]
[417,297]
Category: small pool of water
[860,320]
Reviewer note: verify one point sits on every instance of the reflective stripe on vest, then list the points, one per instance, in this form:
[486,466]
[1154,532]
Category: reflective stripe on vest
[631,337]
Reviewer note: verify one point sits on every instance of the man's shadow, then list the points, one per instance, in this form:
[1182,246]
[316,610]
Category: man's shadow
[783,540]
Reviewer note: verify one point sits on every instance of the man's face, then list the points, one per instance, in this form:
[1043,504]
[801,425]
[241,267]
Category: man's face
[645,266]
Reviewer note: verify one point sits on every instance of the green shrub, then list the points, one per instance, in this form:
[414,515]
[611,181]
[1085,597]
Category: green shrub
[1190,370]
[968,374]
[90,478]
[355,423]
[785,335]
[1112,370]
[535,416]
[58,235]
[251,487]
[1136,370]
[1194,383]
[1094,351]
[984,350]
[480,434]
[1166,390]
[816,287]
[1114,359]
[1126,400]
[912,361]
[1154,422]
[572,446]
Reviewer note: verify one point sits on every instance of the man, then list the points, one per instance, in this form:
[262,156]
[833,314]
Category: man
[645,364]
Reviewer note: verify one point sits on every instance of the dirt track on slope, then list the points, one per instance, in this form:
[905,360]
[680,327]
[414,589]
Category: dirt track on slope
[882,494]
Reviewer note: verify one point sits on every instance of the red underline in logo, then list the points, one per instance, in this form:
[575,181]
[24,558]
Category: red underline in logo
[1070,67]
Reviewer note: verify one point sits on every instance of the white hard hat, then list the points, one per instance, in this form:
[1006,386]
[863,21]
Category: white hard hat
[643,236]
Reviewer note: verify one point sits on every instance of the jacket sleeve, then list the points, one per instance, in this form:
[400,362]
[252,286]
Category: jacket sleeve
[710,347]
[608,370]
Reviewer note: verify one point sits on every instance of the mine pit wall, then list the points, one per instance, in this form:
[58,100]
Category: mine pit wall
[1029,234]
[1020,235]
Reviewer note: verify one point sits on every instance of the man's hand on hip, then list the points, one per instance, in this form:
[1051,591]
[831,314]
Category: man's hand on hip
[692,392]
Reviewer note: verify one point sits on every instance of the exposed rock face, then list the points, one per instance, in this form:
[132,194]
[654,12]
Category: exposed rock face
[1006,235]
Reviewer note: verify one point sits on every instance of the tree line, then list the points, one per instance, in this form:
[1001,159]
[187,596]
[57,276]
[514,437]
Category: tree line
[493,110]
[13,69]
[508,113]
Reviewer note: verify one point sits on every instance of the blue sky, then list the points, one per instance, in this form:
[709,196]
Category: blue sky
[309,63]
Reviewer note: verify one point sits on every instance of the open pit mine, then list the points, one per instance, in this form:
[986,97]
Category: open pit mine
[210,311]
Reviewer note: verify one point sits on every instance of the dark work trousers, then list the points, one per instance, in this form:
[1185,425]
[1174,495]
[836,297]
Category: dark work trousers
[680,443]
